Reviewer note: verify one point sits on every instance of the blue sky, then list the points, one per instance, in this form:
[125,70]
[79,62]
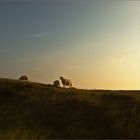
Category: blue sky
[94,43]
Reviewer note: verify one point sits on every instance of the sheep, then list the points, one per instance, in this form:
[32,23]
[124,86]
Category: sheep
[66,82]
[56,83]
[24,77]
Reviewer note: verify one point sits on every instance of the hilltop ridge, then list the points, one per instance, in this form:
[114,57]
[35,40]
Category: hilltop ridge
[36,110]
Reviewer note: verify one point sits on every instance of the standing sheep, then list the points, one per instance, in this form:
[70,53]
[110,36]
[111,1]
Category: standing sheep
[66,82]
[56,83]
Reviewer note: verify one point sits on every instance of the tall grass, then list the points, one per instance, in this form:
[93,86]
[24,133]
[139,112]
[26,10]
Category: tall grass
[31,110]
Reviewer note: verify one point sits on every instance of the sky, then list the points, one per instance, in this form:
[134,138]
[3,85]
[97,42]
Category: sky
[96,44]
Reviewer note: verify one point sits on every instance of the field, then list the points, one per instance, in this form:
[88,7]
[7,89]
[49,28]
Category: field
[37,111]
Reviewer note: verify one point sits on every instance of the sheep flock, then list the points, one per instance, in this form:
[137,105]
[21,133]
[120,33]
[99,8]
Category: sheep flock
[56,83]
[65,82]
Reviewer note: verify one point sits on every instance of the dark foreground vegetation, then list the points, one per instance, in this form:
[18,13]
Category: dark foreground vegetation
[32,110]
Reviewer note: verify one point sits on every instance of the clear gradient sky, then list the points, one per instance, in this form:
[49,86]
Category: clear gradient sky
[94,43]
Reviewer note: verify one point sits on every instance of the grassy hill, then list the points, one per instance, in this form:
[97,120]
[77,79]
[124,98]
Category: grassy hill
[33,110]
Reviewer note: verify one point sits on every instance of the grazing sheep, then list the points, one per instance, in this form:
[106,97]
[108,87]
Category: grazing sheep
[66,82]
[24,77]
[56,83]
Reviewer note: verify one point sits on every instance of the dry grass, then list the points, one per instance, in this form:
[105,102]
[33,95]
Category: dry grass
[33,110]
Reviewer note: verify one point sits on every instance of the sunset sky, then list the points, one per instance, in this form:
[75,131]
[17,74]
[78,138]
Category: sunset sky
[96,44]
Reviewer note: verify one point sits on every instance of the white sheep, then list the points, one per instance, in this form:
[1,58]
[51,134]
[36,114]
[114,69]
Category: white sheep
[56,83]
[66,82]
[24,77]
